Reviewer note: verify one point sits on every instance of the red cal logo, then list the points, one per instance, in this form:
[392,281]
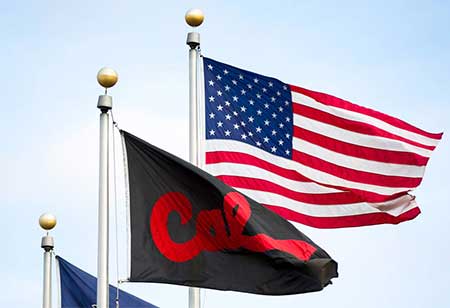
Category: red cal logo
[211,234]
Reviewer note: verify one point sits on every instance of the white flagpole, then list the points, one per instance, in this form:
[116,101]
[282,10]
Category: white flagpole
[107,78]
[194,18]
[47,222]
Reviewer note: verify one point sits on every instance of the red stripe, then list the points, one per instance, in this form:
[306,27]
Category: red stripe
[344,221]
[340,103]
[263,185]
[354,175]
[354,126]
[350,149]
[246,159]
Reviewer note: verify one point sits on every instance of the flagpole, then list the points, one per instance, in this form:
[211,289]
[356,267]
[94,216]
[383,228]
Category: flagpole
[47,222]
[194,18]
[107,78]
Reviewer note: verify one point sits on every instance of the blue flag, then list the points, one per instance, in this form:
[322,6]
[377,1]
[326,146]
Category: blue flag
[79,290]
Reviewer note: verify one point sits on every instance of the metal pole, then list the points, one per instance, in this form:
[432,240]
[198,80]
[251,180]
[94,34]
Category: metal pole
[104,104]
[193,40]
[47,245]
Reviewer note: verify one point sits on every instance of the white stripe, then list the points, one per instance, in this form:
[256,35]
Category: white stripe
[233,169]
[358,163]
[360,117]
[375,142]
[393,207]
[311,173]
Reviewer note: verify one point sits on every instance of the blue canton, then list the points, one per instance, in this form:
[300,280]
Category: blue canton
[247,107]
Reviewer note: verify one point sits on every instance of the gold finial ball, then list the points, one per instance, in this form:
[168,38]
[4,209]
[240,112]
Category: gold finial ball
[194,17]
[107,77]
[47,221]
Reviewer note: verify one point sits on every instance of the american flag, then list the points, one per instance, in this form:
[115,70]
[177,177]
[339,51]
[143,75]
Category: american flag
[310,157]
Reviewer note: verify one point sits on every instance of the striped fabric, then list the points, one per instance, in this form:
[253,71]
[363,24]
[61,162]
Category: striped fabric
[309,156]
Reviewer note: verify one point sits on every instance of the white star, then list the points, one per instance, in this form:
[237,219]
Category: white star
[264,90]
[266,122]
[286,103]
[270,84]
[234,82]
[220,107]
[219,124]
[272,99]
[227,103]
[266,106]
[219,77]
[249,86]
[250,134]
[274,115]
[258,95]
[250,119]
[244,136]
[278,93]
[227,132]
[273,149]
[258,143]
[251,102]
[243,109]
[236,126]
[274,132]
[259,112]
[266,139]
[243,92]
[228,117]
[243,123]
[288,119]
[258,129]
[212,115]
[235,98]
[280,109]
[235,113]
[255,80]
[280,142]
[227,88]
[284,88]
[212,132]
[241,77]
[288,135]
[287,152]
[211,83]
[219,93]
[281,125]
[225,72]
[210,67]
[211,98]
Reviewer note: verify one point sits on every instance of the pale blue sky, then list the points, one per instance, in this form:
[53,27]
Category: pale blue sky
[393,56]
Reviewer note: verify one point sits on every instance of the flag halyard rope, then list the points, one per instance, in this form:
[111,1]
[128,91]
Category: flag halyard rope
[115,207]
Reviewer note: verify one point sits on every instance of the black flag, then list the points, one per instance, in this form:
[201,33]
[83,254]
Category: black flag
[189,228]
